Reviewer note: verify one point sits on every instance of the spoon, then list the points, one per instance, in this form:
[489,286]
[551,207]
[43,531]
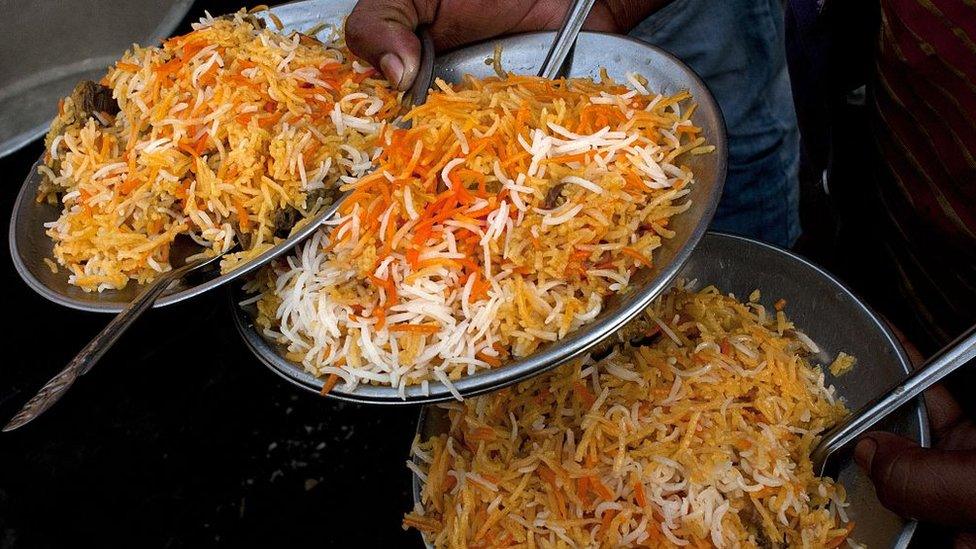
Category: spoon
[946,361]
[182,248]
[565,39]
[30,246]
[86,359]
[562,45]
[417,94]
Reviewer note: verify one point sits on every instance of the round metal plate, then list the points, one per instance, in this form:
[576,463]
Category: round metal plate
[837,321]
[522,54]
[29,245]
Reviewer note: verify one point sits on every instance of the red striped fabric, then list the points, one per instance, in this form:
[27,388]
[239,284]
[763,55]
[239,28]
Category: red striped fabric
[925,121]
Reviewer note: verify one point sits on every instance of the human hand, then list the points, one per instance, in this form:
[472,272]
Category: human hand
[382,31]
[936,485]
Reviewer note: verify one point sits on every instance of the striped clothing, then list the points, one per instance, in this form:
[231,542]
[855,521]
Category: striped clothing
[923,94]
[905,195]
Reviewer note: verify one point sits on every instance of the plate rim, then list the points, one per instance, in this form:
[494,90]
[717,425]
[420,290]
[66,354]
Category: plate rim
[24,201]
[920,410]
[668,272]
[537,363]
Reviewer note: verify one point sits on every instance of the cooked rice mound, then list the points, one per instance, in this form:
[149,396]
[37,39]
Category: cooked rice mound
[698,435]
[230,132]
[497,223]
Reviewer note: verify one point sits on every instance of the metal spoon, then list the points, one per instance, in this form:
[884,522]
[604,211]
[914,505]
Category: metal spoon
[59,384]
[946,361]
[30,246]
[183,247]
[565,39]
[417,94]
[562,46]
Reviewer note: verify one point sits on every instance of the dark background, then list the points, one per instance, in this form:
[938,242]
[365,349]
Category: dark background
[179,437]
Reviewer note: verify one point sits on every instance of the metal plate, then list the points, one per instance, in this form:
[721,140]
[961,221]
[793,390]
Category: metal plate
[522,54]
[29,246]
[47,47]
[837,321]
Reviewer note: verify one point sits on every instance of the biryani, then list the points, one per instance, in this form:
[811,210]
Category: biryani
[497,223]
[229,134]
[697,435]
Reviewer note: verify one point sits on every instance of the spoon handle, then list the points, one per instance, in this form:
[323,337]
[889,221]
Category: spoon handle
[417,94]
[565,38]
[56,388]
[948,360]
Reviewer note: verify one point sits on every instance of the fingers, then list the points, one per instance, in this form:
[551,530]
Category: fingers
[382,33]
[921,483]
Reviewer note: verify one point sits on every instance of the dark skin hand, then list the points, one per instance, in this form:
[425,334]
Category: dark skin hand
[935,485]
[382,31]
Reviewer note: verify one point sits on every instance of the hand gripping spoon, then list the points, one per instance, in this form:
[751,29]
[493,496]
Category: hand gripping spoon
[948,360]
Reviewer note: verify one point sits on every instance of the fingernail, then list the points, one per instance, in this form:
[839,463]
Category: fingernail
[864,453]
[392,67]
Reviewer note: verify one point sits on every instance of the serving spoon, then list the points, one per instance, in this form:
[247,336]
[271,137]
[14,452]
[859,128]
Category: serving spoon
[948,360]
[565,40]
[183,248]
[554,64]
[30,246]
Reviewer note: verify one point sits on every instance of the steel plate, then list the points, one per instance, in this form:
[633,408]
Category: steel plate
[47,47]
[29,246]
[837,321]
[522,54]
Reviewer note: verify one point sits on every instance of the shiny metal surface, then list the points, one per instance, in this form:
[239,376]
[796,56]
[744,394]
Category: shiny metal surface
[837,321]
[54,389]
[520,55]
[960,352]
[562,45]
[417,94]
[29,245]
[48,46]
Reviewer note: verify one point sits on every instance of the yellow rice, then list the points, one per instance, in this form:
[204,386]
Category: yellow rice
[219,130]
[496,224]
[701,437]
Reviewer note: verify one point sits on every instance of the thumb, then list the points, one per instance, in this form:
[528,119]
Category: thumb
[921,483]
[382,33]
